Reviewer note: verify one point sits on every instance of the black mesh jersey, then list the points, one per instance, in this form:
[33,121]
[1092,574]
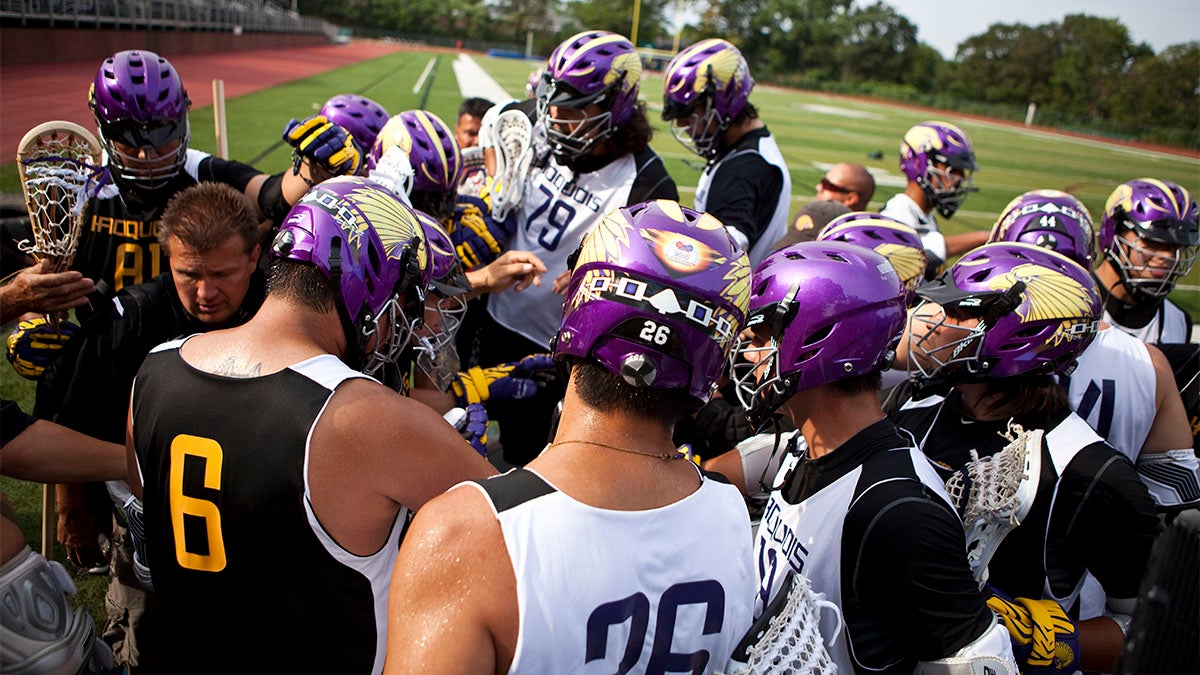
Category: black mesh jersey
[1091,513]
[119,241]
[244,573]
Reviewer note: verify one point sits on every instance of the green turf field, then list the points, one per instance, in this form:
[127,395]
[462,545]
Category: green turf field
[813,131]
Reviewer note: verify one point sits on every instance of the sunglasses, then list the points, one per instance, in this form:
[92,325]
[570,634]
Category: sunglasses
[830,186]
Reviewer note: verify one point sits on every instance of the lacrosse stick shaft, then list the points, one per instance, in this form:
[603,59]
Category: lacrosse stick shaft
[219,118]
[48,520]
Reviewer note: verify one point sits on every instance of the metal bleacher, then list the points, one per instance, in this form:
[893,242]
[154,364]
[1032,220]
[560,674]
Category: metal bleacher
[260,16]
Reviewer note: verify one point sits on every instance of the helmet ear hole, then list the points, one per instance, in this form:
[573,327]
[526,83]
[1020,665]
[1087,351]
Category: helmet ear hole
[818,335]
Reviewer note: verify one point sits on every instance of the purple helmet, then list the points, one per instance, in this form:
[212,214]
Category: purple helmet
[657,295]
[434,160]
[1051,219]
[593,67]
[833,310]
[1036,310]
[359,115]
[710,83]
[365,240]
[1159,212]
[930,143]
[445,306]
[139,103]
[888,237]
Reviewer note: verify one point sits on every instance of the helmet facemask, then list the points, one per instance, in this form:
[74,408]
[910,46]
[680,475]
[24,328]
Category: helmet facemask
[571,138]
[702,135]
[931,359]
[1133,260]
[151,172]
[756,373]
[1123,252]
[434,340]
[947,185]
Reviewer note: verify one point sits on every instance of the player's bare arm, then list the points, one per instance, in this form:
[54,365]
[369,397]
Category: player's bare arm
[374,451]
[1170,430]
[453,601]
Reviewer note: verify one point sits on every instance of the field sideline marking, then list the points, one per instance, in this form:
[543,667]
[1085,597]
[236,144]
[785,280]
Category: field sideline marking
[424,73]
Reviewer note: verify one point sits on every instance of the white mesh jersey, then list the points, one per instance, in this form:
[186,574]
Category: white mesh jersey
[558,208]
[1113,389]
[904,209]
[769,150]
[602,591]
[807,537]
[1169,325]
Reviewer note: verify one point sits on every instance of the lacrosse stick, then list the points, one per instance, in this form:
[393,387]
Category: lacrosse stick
[787,637]
[474,172]
[60,170]
[994,494]
[59,166]
[514,153]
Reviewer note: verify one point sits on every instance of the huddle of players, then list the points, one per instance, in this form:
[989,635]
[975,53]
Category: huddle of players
[663,298]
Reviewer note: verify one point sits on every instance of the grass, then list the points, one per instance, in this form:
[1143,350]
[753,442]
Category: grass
[813,131]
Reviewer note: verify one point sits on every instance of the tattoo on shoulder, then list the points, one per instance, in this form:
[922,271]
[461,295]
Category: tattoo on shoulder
[228,368]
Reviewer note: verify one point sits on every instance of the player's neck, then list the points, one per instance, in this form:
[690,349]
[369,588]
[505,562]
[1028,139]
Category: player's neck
[279,335]
[583,423]
[917,194]
[827,418]
[1110,282]
[734,133]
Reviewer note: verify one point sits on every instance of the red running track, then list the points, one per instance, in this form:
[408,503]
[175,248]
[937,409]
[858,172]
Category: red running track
[34,93]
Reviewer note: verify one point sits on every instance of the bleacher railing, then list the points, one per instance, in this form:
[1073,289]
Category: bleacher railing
[213,15]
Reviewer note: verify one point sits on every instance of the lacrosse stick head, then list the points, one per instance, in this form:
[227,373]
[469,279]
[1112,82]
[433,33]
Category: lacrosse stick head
[788,637]
[994,494]
[1051,219]
[141,108]
[888,237]
[358,115]
[59,164]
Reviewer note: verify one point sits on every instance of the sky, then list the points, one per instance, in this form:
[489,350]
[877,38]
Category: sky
[943,25]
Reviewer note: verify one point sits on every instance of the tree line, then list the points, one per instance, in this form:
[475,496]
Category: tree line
[1083,72]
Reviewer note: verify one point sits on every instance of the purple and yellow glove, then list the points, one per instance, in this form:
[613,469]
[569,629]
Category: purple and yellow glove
[35,343]
[477,238]
[472,424]
[1044,639]
[325,144]
[506,382]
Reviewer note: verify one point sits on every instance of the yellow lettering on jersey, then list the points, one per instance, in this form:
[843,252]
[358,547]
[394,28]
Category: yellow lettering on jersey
[209,452]
[102,224]
[130,268]
[129,229]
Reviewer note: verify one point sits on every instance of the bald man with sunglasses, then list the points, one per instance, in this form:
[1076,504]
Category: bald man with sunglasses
[848,183]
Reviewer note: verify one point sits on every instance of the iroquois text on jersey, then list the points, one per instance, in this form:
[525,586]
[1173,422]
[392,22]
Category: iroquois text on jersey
[129,229]
[568,189]
[779,532]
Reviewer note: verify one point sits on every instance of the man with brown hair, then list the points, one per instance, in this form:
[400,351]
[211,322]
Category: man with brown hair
[211,234]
